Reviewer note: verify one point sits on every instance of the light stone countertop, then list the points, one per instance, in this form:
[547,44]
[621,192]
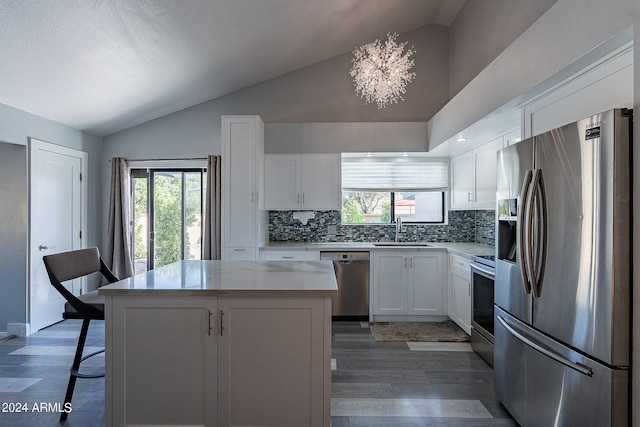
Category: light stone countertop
[231,278]
[464,249]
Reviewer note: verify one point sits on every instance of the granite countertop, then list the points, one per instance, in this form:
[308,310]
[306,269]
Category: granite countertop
[465,249]
[231,278]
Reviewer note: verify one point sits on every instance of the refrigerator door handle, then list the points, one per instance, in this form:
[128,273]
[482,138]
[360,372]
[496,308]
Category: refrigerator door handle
[522,231]
[539,201]
[585,370]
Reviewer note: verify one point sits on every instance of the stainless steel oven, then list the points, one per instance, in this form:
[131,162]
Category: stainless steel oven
[482,280]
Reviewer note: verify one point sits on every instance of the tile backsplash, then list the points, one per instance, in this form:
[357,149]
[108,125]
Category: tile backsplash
[326,226]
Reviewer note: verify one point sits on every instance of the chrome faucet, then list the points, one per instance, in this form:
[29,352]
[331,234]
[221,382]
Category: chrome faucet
[398,227]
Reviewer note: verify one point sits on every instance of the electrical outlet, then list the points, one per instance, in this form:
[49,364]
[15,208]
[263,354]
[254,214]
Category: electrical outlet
[331,229]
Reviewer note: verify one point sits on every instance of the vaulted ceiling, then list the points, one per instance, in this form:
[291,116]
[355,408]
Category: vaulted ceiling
[105,65]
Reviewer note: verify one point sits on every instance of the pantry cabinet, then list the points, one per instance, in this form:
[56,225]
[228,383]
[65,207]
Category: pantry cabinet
[302,181]
[408,283]
[244,224]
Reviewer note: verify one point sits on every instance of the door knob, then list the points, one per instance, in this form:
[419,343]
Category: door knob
[45,247]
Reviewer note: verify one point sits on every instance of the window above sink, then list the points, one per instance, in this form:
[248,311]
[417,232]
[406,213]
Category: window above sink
[379,187]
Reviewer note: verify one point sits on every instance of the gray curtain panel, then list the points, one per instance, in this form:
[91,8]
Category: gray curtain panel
[118,248]
[212,216]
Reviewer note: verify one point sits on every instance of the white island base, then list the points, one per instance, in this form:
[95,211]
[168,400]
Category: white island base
[211,351]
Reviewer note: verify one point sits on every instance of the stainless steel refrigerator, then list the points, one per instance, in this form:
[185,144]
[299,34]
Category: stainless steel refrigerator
[563,275]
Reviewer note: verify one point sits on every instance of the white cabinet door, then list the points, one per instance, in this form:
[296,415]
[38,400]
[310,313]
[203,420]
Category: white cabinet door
[460,301]
[462,181]
[389,283]
[242,162]
[163,361]
[408,283]
[513,137]
[280,182]
[460,292]
[424,285]
[473,177]
[272,357]
[320,181]
[485,168]
[305,181]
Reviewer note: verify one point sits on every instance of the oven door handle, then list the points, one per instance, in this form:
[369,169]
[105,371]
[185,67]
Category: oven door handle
[477,267]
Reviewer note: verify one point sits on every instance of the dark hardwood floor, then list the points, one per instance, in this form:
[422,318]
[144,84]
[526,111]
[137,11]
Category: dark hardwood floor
[35,370]
[373,384]
[389,384]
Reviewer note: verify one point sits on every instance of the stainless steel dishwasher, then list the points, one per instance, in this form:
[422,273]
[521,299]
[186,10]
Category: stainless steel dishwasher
[352,275]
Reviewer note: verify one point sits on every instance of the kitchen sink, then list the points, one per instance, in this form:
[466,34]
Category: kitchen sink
[400,244]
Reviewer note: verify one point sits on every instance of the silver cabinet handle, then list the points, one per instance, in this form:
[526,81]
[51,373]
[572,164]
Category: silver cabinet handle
[573,365]
[45,247]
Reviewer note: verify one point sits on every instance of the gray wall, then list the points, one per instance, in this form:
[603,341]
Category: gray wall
[557,42]
[322,92]
[14,215]
[16,127]
[482,30]
[334,137]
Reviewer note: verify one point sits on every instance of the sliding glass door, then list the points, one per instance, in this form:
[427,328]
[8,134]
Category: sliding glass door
[168,212]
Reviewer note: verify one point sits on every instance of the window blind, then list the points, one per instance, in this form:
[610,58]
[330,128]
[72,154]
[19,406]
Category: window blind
[394,174]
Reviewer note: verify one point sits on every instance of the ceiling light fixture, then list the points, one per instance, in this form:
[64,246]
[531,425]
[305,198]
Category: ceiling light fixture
[381,71]
[461,138]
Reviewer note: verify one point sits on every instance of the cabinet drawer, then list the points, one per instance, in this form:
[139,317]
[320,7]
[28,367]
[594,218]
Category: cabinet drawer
[239,254]
[289,255]
[459,265]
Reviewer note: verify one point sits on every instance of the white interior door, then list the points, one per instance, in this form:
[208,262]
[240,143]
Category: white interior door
[58,209]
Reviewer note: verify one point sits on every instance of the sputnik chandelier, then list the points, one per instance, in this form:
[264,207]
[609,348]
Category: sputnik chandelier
[381,71]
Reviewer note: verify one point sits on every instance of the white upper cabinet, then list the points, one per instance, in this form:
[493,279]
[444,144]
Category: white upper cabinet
[462,181]
[304,181]
[473,177]
[281,181]
[243,224]
[605,84]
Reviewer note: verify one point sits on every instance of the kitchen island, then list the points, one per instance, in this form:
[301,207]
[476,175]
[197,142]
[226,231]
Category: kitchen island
[220,343]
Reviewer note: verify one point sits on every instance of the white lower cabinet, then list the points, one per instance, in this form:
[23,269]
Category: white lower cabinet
[219,361]
[239,254]
[164,361]
[460,292]
[408,283]
[271,359]
[289,255]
